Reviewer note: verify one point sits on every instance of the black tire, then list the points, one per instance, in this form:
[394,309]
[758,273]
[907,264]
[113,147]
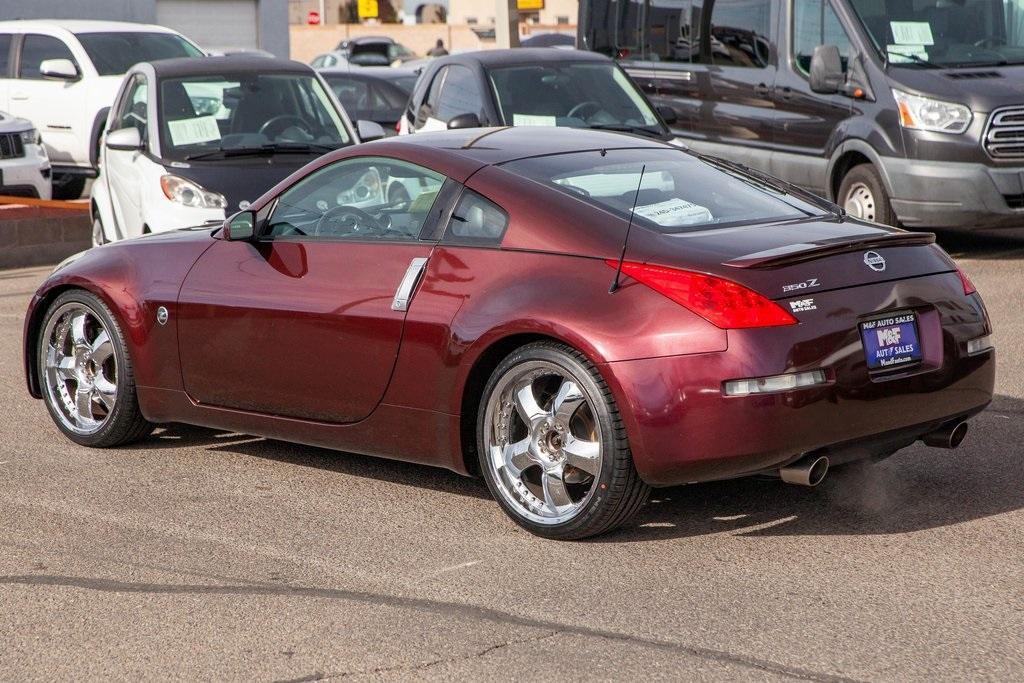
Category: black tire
[862,193]
[68,186]
[617,492]
[124,423]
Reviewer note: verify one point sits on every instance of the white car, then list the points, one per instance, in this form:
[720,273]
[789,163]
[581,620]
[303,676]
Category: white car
[24,166]
[192,140]
[63,75]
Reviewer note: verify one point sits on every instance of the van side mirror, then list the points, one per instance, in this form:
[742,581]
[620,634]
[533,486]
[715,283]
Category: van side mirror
[240,227]
[124,139]
[59,69]
[464,121]
[827,70]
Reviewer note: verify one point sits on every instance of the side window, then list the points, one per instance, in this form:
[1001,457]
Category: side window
[461,94]
[132,110]
[476,220]
[428,108]
[739,33]
[815,23]
[5,54]
[366,198]
[670,35]
[36,49]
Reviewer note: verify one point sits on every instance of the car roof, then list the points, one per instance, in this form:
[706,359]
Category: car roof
[521,55]
[83,26]
[385,73]
[199,66]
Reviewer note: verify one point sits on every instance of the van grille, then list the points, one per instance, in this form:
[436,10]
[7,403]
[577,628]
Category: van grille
[1004,136]
[11,146]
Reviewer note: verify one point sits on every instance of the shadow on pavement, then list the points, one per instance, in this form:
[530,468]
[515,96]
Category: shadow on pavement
[918,488]
[982,247]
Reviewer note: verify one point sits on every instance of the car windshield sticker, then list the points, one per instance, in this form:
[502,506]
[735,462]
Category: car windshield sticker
[194,131]
[533,120]
[675,211]
[912,32]
[902,54]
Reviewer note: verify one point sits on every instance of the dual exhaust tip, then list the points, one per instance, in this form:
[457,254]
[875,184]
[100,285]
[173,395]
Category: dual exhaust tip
[810,470]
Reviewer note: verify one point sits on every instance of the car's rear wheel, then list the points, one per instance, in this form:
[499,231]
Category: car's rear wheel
[87,379]
[552,446]
[863,195]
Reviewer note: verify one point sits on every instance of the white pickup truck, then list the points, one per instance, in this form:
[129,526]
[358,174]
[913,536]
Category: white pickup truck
[63,76]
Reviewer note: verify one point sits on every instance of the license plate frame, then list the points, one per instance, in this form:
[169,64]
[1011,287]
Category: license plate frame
[891,342]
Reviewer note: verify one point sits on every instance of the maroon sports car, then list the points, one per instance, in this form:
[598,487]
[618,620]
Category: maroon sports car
[574,315]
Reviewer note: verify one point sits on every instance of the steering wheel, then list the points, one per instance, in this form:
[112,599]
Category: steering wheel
[350,221]
[588,106]
[280,121]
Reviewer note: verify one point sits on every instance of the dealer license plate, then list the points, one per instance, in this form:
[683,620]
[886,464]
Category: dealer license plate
[891,342]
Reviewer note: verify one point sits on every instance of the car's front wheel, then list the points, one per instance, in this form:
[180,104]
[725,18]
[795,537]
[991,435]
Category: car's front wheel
[862,193]
[552,446]
[86,374]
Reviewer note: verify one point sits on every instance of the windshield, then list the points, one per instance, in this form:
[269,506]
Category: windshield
[114,53]
[945,33]
[371,99]
[678,191]
[232,112]
[579,95]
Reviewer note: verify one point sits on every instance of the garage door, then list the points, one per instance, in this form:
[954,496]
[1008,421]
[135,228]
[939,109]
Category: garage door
[213,24]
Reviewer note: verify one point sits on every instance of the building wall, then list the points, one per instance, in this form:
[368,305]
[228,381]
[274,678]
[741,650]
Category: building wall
[298,10]
[273,15]
[482,11]
[309,41]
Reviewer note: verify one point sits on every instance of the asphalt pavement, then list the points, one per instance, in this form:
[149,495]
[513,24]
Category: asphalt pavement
[204,555]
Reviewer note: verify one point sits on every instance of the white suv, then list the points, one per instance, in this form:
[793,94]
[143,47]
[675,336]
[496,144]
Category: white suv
[24,168]
[63,76]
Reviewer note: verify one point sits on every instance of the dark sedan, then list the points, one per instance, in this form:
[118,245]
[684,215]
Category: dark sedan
[574,315]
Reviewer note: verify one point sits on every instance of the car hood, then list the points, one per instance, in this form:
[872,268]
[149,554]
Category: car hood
[982,89]
[13,124]
[241,179]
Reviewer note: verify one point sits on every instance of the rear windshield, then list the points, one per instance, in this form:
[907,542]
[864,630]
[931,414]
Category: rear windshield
[114,53]
[677,191]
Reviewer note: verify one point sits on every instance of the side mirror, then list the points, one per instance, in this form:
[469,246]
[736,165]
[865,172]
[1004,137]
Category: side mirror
[464,121]
[369,131]
[59,69]
[240,227]
[827,70]
[668,114]
[124,139]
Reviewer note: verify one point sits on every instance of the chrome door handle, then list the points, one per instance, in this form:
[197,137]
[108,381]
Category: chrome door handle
[408,284]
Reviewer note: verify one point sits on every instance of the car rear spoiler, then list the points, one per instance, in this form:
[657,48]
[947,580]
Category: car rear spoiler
[808,251]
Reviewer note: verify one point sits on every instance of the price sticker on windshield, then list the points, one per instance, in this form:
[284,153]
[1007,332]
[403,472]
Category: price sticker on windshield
[194,131]
[912,32]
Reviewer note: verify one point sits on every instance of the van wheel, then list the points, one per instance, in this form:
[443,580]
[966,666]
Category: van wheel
[863,195]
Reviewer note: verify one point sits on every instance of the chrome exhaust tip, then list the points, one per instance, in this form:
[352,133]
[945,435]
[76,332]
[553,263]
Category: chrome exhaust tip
[807,471]
[949,435]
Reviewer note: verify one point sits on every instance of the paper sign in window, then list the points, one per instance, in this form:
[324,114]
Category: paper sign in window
[912,32]
[533,120]
[675,211]
[194,131]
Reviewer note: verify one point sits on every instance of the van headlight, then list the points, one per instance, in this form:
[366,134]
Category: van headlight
[183,191]
[924,113]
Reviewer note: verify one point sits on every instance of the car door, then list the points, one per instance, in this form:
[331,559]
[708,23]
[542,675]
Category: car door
[425,119]
[50,103]
[6,61]
[305,320]
[805,121]
[739,50]
[121,168]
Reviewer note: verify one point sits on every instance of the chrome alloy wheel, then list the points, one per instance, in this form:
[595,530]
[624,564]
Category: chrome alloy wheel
[543,441]
[80,368]
[860,202]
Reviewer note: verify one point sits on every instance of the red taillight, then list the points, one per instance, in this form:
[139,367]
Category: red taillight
[969,287]
[723,303]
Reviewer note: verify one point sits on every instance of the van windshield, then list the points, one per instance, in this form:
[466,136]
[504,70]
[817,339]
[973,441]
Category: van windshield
[945,33]
[678,192]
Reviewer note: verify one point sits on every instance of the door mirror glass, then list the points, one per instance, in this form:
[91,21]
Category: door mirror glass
[668,114]
[464,121]
[826,70]
[240,227]
[58,69]
[124,140]
[369,131]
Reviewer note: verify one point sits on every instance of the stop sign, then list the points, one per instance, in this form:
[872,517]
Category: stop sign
[313,18]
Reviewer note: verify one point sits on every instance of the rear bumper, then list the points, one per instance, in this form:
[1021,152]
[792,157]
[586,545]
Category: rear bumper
[683,428]
[944,194]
